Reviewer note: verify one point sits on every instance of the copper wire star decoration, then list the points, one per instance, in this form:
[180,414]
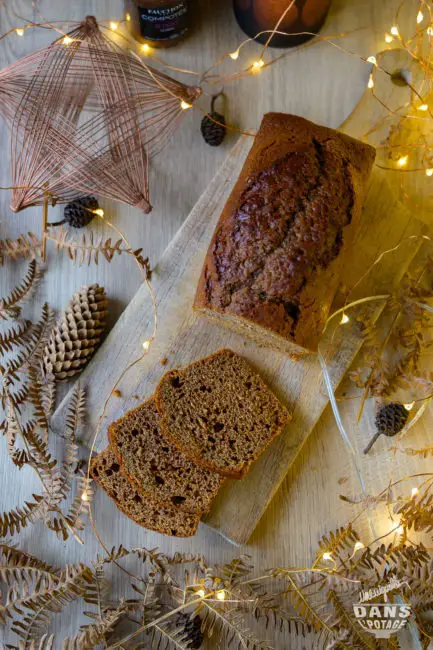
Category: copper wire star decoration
[85,117]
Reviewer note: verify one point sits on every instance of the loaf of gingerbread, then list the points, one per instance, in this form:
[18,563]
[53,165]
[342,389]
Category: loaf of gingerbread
[279,248]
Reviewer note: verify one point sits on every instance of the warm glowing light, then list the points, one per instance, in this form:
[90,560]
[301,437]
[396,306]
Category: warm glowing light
[99,212]
[410,406]
[67,40]
[419,17]
[146,345]
[344,319]
[370,82]
[400,530]
[114,25]
[414,492]
[258,64]
[401,162]
[84,496]
[358,546]
[184,105]
[221,594]
[20,31]
[430,31]
[327,556]
[423,107]
[201,593]
[372,59]
[234,55]
[429,172]
[127,17]
[388,38]
[145,48]
[394,30]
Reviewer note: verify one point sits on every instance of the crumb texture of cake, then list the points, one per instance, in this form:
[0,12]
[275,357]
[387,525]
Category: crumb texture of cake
[219,412]
[145,511]
[157,467]
[275,260]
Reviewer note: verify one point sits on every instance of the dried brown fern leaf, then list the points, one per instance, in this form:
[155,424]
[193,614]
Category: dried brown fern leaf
[15,558]
[337,542]
[230,626]
[98,632]
[10,307]
[307,611]
[24,247]
[88,249]
[13,521]
[33,346]
[70,584]
[14,337]
[417,513]
[424,452]
[345,620]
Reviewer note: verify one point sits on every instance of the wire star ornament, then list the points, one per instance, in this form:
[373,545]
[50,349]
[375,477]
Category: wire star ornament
[85,117]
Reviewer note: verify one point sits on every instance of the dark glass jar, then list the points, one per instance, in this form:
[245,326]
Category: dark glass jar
[255,16]
[159,23]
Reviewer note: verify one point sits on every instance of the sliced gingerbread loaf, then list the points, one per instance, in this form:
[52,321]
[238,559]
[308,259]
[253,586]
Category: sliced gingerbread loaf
[145,511]
[219,412]
[155,466]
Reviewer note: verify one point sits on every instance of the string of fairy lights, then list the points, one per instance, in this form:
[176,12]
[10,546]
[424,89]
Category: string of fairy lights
[424,25]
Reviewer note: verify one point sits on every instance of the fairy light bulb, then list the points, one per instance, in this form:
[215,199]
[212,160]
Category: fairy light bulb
[358,546]
[410,405]
[402,161]
[201,593]
[430,31]
[419,17]
[84,496]
[145,48]
[344,319]
[372,59]
[20,31]
[99,212]
[146,345]
[400,530]
[370,82]
[234,55]
[414,492]
[423,107]
[114,25]
[394,30]
[327,556]
[388,38]
[429,171]
[257,65]
[221,595]
[67,40]
[128,17]
[184,105]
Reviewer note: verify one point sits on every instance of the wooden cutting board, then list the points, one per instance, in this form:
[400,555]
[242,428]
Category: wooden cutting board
[183,338]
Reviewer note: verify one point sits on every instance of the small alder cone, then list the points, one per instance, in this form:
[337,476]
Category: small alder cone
[77,335]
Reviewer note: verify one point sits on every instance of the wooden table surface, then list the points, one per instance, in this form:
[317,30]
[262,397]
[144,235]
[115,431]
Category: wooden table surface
[319,83]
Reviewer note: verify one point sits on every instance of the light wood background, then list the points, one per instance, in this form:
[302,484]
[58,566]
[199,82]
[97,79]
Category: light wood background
[320,83]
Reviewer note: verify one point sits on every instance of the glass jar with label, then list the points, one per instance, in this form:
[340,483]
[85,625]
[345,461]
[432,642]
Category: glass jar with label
[159,23]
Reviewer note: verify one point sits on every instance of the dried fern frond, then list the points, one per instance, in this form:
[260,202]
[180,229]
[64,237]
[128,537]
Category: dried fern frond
[10,307]
[14,337]
[24,247]
[98,632]
[89,248]
[337,542]
[13,521]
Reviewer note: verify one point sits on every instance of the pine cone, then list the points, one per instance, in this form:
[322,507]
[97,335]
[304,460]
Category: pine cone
[194,637]
[77,335]
[79,213]
[212,132]
[391,418]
